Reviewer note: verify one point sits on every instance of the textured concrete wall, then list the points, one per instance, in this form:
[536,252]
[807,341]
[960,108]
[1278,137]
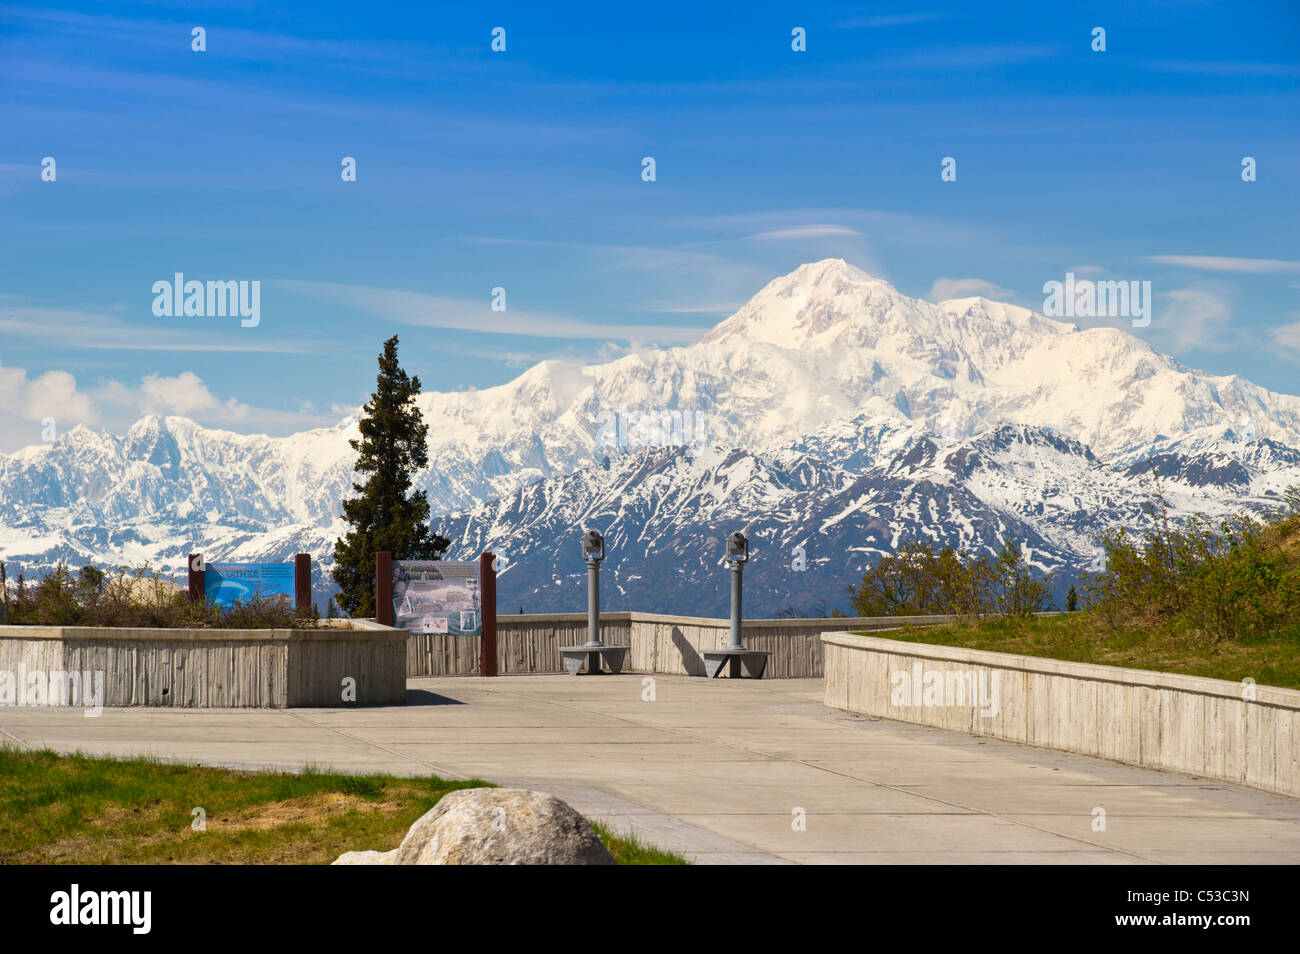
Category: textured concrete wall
[373,656]
[1209,727]
[213,668]
[667,644]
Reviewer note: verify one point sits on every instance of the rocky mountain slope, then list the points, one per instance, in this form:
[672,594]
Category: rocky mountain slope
[831,413]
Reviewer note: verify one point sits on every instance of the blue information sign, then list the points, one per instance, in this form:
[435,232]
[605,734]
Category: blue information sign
[227,583]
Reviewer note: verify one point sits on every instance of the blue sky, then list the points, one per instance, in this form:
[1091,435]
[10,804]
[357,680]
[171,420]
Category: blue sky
[522,169]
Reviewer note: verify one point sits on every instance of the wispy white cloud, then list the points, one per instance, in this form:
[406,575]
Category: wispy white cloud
[399,57]
[902,228]
[1226,68]
[1287,339]
[72,329]
[721,308]
[1214,263]
[1196,319]
[436,311]
[968,56]
[946,288]
[807,232]
[889,20]
[689,279]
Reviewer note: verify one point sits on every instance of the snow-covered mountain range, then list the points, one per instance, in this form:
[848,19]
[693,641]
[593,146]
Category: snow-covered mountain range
[831,416]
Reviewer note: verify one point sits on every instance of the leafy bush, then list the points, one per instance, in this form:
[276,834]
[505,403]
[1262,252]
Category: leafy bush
[135,598]
[919,580]
[1232,579]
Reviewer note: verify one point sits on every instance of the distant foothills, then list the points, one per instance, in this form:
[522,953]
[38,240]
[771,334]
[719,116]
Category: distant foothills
[831,418]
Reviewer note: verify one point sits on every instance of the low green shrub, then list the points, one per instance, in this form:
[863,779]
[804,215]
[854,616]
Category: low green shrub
[1235,578]
[918,579]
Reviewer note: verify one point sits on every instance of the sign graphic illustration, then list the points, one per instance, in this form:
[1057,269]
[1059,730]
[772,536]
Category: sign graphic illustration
[224,584]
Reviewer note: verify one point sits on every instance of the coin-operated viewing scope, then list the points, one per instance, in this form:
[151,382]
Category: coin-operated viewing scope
[593,546]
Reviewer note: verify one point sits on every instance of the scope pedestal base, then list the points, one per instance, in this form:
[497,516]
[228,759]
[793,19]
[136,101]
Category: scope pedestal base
[592,656]
[753,660]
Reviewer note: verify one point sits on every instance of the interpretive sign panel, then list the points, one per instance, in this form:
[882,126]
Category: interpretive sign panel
[437,596]
[227,583]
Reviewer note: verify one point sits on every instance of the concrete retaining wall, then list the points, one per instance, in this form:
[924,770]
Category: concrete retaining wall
[1249,735]
[210,668]
[666,644]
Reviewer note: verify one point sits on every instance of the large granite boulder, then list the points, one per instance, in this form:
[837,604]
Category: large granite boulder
[493,826]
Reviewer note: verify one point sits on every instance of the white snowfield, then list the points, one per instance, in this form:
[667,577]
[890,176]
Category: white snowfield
[827,375]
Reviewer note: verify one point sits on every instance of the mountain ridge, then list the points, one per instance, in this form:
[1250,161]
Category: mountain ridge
[826,376]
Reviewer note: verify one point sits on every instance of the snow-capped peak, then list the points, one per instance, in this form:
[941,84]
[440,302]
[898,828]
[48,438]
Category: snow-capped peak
[827,373]
[810,307]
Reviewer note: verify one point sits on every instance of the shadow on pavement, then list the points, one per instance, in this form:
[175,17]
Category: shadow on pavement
[423,697]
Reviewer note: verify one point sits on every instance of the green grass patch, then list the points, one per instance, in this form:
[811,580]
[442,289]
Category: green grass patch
[632,851]
[78,809]
[1272,660]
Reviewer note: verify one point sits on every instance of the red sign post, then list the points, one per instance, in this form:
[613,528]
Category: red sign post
[487,662]
[302,584]
[196,577]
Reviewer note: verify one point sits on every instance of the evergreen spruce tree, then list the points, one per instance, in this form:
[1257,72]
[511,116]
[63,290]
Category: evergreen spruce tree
[385,514]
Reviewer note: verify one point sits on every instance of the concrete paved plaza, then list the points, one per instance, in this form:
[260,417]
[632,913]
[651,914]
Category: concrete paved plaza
[722,771]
